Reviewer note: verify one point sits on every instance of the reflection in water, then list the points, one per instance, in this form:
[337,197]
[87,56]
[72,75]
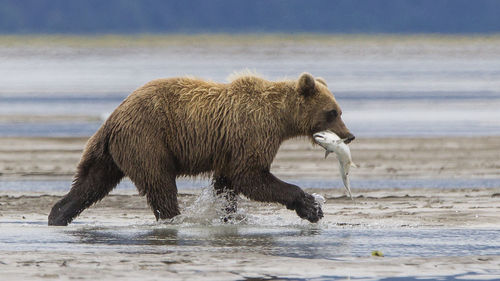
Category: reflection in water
[293,242]
[126,237]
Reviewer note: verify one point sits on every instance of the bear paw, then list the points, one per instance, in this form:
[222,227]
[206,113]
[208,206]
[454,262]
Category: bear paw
[308,208]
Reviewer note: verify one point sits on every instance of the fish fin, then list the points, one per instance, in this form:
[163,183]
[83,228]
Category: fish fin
[326,153]
[354,165]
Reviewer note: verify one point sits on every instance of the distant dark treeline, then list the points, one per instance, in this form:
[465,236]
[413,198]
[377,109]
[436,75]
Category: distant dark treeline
[243,16]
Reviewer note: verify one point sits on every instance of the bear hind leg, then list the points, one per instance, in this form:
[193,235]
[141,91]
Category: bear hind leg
[96,176]
[156,180]
[162,198]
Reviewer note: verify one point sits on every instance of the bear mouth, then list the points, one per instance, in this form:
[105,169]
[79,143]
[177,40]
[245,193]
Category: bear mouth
[349,139]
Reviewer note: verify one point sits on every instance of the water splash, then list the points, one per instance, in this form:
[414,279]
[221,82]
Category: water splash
[209,209]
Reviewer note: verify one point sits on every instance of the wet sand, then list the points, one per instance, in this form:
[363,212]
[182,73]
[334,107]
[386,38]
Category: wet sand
[379,208]
[378,158]
[234,266]
[390,209]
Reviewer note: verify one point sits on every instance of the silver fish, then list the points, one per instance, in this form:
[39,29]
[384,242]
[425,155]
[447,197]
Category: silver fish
[332,143]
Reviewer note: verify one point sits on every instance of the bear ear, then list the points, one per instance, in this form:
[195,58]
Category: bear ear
[321,80]
[306,85]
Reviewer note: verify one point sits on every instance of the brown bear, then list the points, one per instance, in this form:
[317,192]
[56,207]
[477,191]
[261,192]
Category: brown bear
[186,127]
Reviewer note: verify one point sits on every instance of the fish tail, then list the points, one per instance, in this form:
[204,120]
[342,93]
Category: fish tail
[346,181]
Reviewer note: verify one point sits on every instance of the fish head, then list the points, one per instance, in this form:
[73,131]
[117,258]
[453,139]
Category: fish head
[326,139]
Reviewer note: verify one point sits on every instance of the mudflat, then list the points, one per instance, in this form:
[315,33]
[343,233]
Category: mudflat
[422,232]
[378,158]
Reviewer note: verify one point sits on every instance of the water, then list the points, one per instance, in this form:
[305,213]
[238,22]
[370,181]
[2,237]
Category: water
[182,184]
[199,228]
[386,87]
[302,241]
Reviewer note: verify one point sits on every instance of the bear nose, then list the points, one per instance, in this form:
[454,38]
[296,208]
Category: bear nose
[350,138]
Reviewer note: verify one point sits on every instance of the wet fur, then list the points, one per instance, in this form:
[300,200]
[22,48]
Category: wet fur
[187,127]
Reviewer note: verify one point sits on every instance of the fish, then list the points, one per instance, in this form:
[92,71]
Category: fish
[332,143]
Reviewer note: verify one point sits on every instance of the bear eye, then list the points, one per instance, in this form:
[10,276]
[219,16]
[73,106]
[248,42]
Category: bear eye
[331,115]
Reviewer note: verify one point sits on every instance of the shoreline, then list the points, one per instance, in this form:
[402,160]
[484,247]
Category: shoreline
[162,40]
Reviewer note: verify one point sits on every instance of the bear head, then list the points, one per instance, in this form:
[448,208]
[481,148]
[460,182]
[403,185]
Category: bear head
[318,110]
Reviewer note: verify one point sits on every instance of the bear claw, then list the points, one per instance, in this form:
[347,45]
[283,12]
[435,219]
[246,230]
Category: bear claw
[307,208]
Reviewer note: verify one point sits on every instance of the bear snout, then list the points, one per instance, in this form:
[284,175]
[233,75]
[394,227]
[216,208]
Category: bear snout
[349,138]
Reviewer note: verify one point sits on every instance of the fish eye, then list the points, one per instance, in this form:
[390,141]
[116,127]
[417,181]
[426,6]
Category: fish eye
[331,115]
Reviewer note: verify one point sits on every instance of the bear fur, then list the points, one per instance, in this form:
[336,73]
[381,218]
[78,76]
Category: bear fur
[187,127]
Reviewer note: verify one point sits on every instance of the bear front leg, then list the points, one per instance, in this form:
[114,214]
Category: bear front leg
[223,187]
[265,187]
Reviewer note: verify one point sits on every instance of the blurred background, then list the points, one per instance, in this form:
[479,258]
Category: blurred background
[397,67]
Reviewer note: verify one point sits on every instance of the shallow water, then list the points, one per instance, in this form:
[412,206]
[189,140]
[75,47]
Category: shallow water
[64,185]
[305,241]
[200,229]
